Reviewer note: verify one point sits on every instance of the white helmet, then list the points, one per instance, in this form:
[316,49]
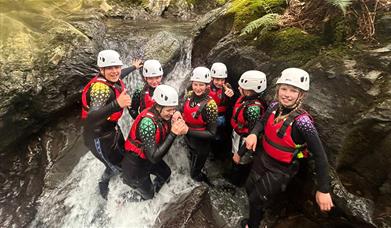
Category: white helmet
[295,77]
[165,95]
[152,68]
[201,74]
[218,70]
[108,58]
[253,80]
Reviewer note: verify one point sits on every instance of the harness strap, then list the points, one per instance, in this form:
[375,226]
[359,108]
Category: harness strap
[288,122]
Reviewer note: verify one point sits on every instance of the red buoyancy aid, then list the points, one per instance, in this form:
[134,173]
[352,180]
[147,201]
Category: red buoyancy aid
[192,115]
[85,107]
[146,100]
[238,122]
[217,95]
[280,145]
[133,144]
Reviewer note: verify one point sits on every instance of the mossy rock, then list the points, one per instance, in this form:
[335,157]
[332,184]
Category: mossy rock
[290,45]
[248,10]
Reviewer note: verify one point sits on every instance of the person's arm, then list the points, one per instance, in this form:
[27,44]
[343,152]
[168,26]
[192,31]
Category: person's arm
[147,131]
[310,135]
[136,64]
[134,108]
[99,108]
[126,71]
[209,114]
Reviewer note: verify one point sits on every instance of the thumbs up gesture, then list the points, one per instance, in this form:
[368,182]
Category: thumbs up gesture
[229,92]
[124,99]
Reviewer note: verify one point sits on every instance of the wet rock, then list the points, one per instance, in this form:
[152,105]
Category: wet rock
[43,65]
[41,162]
[189,210]
[165,47]
[213,27]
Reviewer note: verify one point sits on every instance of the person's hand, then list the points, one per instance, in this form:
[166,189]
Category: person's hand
[177,115]
[324,201]
[229,92]
[124,99]
[251,142]
[236,158]
[179,127]
[137,63]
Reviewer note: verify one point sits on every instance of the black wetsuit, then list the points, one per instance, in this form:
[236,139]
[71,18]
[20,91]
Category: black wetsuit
[101,136]
[270,177]
[199,141]
[136,170]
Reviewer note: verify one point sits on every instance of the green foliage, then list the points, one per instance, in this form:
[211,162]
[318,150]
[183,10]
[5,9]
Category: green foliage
[266,22]
[291,45]
[341,4]
[249,10]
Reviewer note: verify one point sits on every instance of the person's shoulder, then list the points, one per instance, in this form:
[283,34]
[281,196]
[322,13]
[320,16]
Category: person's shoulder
[147,123]
[99,87]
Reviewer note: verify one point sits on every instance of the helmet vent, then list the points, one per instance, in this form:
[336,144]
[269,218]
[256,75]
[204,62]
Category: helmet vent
[302,79]
[165,98]
[103,59]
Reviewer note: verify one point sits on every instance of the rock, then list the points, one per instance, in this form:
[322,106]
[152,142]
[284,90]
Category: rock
[165,47]
[36,58]
[51,156]
[212,28]
[189,210]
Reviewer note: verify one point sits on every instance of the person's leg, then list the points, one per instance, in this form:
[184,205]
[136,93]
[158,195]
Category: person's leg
[162,172]
[136,173]
[200,156]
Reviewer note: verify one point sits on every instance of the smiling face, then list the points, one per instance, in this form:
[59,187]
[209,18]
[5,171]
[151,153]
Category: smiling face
[111,73]
[288,96]
[199,88]
[167,112]
[153,81]
[218,82]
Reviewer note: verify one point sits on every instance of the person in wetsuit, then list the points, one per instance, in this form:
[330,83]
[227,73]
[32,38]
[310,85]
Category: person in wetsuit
[142,97]
[150,138]
[103,100]
[248,109]
[200,114]
[221,92]
[288,135]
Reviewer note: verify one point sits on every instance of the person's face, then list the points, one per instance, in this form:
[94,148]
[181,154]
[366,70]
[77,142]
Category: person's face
[153,81]
[288,95]
[218,82]
[199,88]
[167,112]
[111,73]
[245,92]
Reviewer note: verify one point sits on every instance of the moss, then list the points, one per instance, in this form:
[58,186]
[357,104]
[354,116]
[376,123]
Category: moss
[249,10]
[221,2]
[290,45]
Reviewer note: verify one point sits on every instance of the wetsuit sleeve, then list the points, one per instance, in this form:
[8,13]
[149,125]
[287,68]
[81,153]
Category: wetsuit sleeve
[146,132]
[209,114]
[310,135]
[100,108]
[258,128]
[252,114]
[134,107]
[126,71]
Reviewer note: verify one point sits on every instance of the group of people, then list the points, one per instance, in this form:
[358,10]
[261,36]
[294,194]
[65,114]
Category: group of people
[286,132]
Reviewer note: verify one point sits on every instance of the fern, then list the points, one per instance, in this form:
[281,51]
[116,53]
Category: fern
[266,22]
[341,4]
